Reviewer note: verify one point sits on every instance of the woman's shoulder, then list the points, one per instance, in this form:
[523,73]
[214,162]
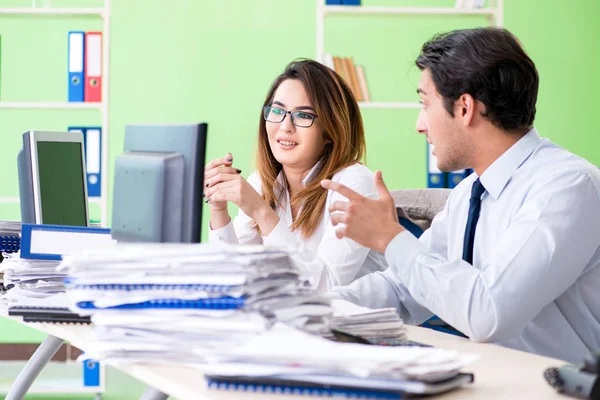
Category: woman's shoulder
[354,172]
[358,178]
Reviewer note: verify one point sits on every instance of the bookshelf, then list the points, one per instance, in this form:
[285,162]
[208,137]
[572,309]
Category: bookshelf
[494,13]
[70,378]
[102,107]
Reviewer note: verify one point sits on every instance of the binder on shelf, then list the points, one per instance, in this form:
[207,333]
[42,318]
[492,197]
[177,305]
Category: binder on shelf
[351,2]
[91,373]
[435,177]
[76,64]
[353,78]
[51,242]
[455,177]
[92,142]
[333,2]
[93,67]
[362,81]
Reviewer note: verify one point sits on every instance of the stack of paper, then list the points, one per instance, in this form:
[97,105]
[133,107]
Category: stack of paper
[32,283]
[287,358]
[10,228]
[371,324]
[145,298]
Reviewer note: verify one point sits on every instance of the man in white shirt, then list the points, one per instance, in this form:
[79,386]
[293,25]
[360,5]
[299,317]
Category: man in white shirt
[514,256]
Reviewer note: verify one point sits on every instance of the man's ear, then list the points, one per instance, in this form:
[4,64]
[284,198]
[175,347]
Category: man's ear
[465,108]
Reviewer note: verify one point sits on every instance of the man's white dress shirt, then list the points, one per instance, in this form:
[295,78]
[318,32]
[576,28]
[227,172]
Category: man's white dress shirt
[535,280]
[324,259]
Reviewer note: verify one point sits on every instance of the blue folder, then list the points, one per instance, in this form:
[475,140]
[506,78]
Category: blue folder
[92,143]
[435,177]
[456,177]
[27,239]
[75,66]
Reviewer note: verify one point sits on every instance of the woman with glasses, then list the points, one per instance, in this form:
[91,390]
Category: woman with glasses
[310,129]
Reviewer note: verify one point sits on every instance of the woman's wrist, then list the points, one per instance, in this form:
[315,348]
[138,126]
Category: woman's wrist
[267,219]
[219,219]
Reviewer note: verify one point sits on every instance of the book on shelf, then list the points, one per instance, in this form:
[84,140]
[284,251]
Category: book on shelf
[353,74]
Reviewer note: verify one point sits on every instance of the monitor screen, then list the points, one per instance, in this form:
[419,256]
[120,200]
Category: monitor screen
[61,182]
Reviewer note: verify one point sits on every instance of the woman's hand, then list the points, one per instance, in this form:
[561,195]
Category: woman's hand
[224,186]
[212,169]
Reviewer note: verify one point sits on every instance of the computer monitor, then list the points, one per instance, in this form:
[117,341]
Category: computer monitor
[52,179]
[158,184]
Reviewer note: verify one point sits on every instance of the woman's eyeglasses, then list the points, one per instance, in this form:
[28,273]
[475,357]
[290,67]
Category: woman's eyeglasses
[301,119]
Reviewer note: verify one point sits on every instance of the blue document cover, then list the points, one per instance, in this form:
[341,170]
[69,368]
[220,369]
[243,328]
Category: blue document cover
[75,66]
[435,177]
[50,242]
[92,142]
[456,177]
[91,373]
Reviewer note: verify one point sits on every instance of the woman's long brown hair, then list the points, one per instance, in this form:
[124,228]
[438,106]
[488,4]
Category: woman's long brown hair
[342,123]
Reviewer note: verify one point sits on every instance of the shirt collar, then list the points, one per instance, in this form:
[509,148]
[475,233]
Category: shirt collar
[496,176]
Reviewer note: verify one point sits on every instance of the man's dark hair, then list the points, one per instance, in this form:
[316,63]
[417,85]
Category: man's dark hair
[490,65]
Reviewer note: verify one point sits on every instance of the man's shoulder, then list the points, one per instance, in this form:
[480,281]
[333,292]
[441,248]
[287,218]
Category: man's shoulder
[552,162]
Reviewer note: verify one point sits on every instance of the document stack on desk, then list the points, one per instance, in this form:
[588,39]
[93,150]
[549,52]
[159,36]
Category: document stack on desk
[184,301]
[285,360]
[33,278]
[374,325]
[34,289]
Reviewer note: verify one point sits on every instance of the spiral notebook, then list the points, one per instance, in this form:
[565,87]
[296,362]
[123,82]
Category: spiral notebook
[10,243]
[267,384]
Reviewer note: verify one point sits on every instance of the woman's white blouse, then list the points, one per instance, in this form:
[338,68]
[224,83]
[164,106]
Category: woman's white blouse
[325,259]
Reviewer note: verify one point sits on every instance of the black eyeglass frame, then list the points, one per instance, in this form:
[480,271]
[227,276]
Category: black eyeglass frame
[293,116]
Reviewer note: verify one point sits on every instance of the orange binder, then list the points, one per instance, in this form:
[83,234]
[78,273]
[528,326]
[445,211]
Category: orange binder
[93,67]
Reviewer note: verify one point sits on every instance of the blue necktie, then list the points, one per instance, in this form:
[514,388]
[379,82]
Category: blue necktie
[474,210]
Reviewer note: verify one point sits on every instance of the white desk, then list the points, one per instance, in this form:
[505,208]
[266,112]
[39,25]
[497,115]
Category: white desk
[501,373]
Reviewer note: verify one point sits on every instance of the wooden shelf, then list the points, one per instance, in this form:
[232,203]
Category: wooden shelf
[51,105]
[53,11]
[408,10]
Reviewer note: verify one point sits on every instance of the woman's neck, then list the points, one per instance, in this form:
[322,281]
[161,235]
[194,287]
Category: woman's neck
[294,178]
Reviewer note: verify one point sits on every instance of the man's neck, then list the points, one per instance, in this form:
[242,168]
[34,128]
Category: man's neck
[493,145]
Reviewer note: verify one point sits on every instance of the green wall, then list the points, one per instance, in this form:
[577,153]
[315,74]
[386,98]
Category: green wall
[176,61]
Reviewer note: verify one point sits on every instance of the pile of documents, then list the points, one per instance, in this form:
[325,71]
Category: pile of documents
[286,360]
[33,280]
[10,228]
[370,324]
[182,301]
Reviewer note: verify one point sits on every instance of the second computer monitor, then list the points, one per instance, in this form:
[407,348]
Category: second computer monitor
[52,179]
[158,184]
